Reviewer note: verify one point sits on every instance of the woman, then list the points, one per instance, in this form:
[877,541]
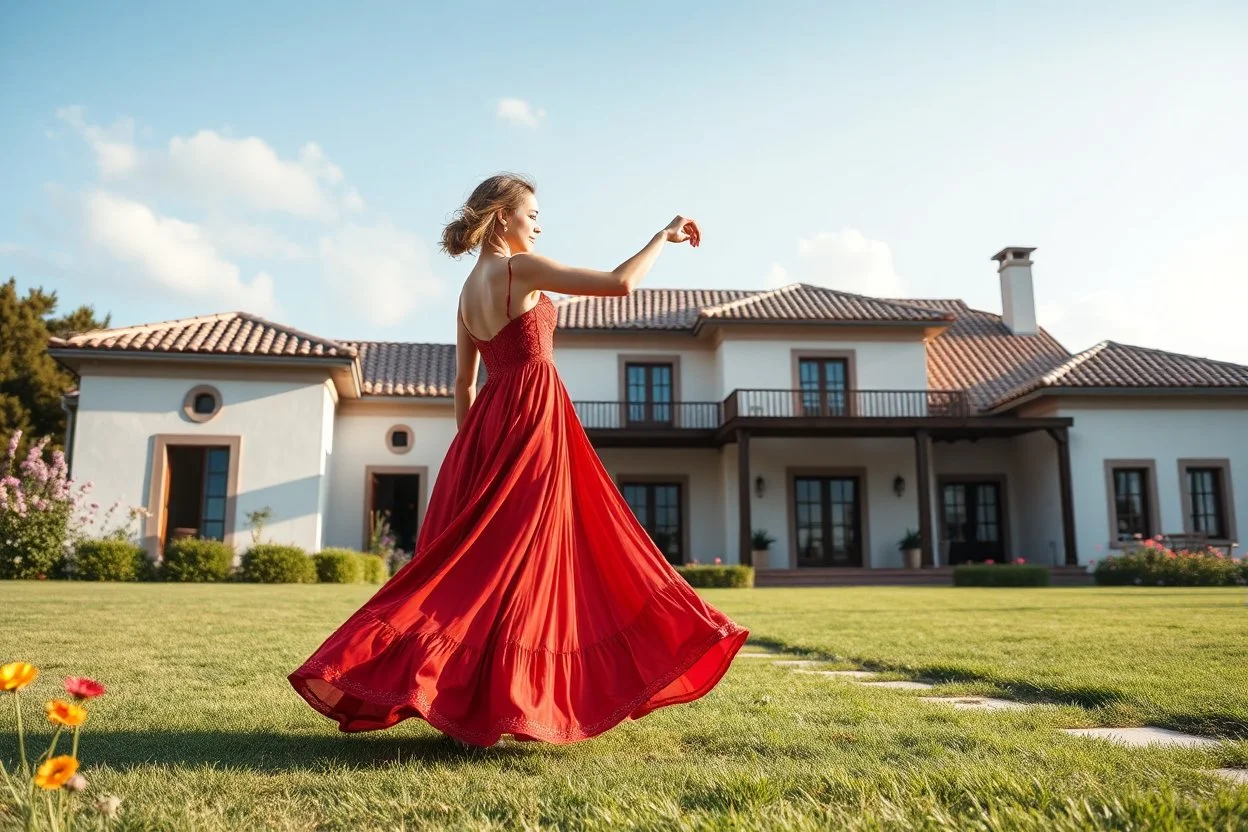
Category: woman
[535,604]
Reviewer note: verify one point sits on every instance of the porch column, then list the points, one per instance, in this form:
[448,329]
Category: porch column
[923,458]
[745,554]
[1062,437]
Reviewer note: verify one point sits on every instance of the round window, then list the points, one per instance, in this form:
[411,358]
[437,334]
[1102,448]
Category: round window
[202,403]
[399,439]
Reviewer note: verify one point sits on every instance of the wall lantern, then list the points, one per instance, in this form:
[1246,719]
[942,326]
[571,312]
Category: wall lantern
[759,486]
[899,485]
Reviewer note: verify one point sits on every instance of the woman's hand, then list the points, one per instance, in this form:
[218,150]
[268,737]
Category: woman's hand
[681,229]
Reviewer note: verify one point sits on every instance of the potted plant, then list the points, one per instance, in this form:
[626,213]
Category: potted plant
[912,547]
[760,545]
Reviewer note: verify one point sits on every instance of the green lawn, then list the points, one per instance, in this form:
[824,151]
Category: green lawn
[200,729]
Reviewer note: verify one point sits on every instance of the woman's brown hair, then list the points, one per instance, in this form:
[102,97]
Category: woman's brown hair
[474,221]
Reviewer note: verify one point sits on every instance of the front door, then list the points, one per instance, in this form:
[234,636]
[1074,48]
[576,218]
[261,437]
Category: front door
[973,521]
[828,520]
[396,498]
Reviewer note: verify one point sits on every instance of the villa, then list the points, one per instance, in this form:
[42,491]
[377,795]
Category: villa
[835,422]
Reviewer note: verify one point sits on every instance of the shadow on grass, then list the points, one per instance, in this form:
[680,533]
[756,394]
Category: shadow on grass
[273,751]
[1211,724]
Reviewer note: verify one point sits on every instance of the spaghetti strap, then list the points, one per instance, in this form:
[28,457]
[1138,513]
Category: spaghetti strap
[508,309]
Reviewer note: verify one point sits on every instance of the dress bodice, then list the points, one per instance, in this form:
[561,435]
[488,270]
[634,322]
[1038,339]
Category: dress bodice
[526,338]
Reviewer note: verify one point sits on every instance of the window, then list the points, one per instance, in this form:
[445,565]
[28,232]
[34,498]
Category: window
[399,439]
[196,492]
[1207,504]
[649,391]
[827,520]
[973,518]
[659,508]
[201,403]
[395,495]
[1131,486]
[824,382]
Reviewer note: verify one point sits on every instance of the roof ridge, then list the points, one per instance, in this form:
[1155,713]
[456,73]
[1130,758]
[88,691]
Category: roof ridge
[752,297]
[1172,354]
[874,299]
[1070,364]
[121,330]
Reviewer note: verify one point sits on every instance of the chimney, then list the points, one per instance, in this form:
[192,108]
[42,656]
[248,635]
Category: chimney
[1018,298]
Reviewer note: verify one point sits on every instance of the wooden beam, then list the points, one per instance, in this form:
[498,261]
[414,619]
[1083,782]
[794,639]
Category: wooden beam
[745,554]
[1062,437]
[923,459]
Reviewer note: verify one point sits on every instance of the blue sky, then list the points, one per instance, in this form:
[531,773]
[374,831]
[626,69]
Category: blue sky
[299,160]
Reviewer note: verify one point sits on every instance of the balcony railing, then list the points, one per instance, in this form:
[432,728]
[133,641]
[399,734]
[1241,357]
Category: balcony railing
[774,404]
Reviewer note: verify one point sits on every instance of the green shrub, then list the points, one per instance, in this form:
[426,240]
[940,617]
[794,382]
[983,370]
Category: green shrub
[735,577]
[1152,564]
[272,563]
[194,560]
[339,566]
[374,569]
[1006,574]
[108,560]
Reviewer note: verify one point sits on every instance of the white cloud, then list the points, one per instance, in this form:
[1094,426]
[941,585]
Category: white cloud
[844,260]
[518,111]
[255,241]
[210,167]
[379,272]
[175,255]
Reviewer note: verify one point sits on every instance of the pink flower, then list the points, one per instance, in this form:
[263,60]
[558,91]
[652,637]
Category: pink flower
[1157,537]
[989,561]
[717,560]
[1020,560]
[1092,562]
[80,687]
[1139,537]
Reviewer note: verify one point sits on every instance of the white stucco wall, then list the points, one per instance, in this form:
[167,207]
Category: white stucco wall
[1162,435]
[282,457]
[359,443]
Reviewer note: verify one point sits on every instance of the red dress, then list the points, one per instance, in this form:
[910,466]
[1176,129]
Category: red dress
[536,605]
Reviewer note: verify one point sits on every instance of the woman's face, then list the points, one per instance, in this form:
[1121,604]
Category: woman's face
[522,227]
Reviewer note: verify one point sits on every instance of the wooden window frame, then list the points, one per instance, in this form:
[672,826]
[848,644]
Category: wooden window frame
[1223,466]
[850,357]
[158,475]
[625,360]
[681,480]
[1154,510]
[1003,492]
[791,476]
[421,500]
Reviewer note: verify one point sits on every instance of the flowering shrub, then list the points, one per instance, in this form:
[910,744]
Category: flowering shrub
[37,510]
[33,785]
[1150,563]
[383,543]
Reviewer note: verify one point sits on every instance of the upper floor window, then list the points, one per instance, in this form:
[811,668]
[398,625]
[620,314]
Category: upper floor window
[824,384]
[201,403]
[649,391]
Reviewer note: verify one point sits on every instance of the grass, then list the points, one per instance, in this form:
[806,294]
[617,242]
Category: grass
[200,729]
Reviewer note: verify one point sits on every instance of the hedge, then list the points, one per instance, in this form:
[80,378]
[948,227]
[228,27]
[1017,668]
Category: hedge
[109,560]
[273,563]
[1006,574]
[735,577]
[339,566]
[374,567]
[196,560]
[1152,564]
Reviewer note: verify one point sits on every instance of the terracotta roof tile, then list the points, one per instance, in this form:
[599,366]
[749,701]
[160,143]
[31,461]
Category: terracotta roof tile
[979,354]
[230,333]
[400,369]
[688,309]
[1110,365]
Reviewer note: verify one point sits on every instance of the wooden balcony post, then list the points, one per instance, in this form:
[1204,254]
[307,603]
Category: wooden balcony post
[1062,437]
[923,460]
[745,551]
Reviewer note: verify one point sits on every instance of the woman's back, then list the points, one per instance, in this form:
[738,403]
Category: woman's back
[486,301]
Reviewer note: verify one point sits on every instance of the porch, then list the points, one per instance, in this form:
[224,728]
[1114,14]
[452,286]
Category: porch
[824,514]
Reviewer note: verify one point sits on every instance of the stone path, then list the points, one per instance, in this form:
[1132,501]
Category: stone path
[1133,737]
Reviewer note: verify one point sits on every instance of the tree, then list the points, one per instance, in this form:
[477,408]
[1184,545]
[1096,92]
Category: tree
[31,382]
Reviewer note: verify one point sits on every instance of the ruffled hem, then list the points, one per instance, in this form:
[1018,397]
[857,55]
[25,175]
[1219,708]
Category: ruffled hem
[627,661]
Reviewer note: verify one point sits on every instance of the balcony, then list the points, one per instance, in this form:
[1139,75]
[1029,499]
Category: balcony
[794,412]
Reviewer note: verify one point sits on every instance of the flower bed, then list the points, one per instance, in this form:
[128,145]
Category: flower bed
[1150,563]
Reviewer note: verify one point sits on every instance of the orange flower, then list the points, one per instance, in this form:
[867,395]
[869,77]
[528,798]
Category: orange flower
[17,675]
[66,713]
[55,772]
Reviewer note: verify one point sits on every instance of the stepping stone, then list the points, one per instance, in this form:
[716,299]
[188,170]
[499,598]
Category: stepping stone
[797,662]
[979,703]
[1235,775]
[899,685]
[757,655]
[1144,736]
[839,674]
